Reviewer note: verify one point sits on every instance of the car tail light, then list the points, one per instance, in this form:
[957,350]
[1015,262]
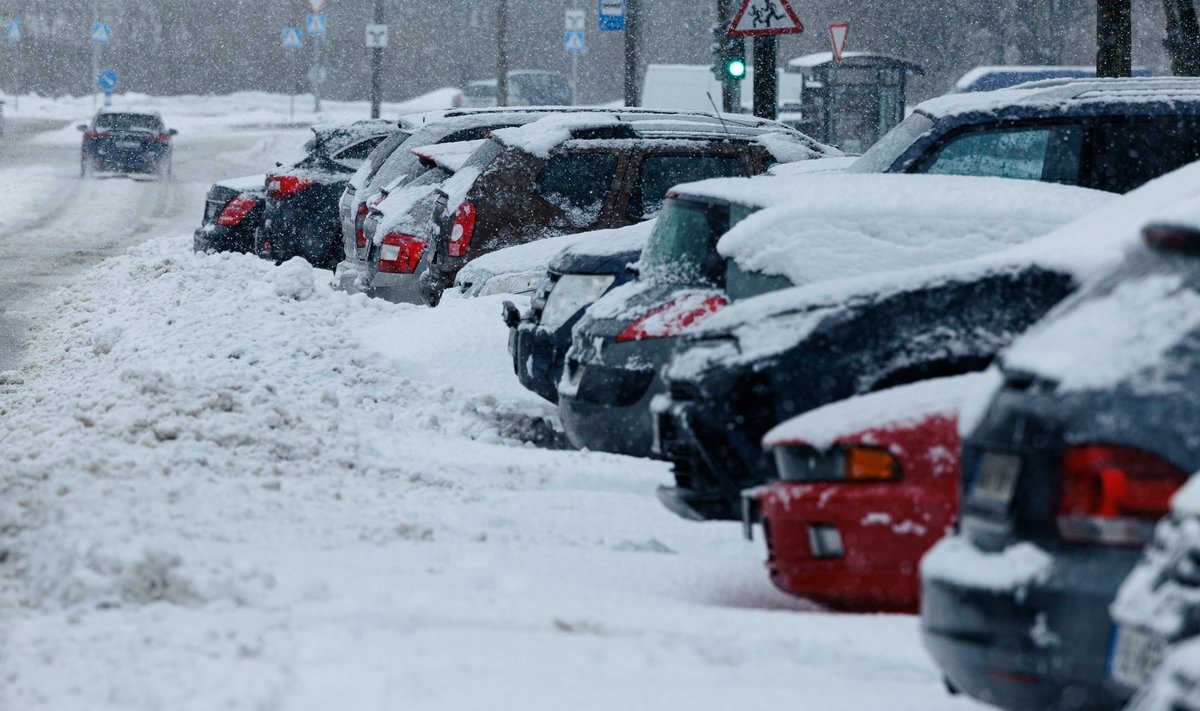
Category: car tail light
[236,210]
[464,228]
[94,134]
[164,138]
[283,186]
[360,216]
[673,318]
[869,464]
[1110,495]
[400,253]
[1172,238]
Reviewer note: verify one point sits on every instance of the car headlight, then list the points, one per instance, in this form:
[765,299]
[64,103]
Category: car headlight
[572,293]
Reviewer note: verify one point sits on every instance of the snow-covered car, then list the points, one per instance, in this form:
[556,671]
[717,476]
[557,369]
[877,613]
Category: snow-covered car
[233,212]
[301,215]
[126,142]
[579,172]
[1108,134]
[587,267]
[775,232]
[1157,611]
[1071,458]
[862,489]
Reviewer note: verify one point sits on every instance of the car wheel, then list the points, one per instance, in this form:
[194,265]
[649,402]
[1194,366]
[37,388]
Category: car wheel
[83,168]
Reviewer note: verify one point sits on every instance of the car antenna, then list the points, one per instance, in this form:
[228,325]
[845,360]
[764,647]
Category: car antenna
[717,113]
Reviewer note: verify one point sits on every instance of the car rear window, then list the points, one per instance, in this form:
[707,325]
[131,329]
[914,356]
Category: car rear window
[577,184]
[1049,153]
[1130,152]
[353,156]
[142,122]
[683,245]
[660,173]
[480,91]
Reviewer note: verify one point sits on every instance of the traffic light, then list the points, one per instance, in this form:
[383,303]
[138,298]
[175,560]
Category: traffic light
[729,55]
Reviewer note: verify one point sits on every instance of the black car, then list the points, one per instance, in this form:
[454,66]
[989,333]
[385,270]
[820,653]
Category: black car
[593,264]
[301,214]
[233,212]
[1089,431]
[126,142]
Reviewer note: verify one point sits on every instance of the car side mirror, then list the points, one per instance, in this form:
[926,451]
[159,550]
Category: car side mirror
[82,127]
[278,164]
[511,314]
[173,132]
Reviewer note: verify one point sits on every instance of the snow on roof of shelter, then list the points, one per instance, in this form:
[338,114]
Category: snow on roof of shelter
[842,225]
[816,59]
[891,408]
[1085,249]
[450,156]
[1162,93]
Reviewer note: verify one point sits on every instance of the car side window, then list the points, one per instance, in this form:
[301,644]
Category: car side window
[1049,153]
[1130,152]
[659,173]
[577,184]
[353,156]
[469,134]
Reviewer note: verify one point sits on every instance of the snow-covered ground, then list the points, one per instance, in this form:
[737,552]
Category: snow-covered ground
[224,485]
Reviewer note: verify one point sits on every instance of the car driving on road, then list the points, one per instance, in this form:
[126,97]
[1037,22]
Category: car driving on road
[126,142]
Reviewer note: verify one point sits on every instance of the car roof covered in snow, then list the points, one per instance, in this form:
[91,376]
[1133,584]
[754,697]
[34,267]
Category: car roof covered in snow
[842,225]
[901,406]
[450,156]
[1149,95]
[333,137]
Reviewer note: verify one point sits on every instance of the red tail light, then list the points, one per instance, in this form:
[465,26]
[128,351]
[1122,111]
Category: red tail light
[283,186]
[236,210]
[94,134]
[400,254]
[672,319]
[164,138]
[1110,495]
[460,234]
[360,216]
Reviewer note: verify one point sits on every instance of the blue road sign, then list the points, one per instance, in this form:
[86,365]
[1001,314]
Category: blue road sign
[573,41]
[291,38]
[108,81]
[101,33]
[612,15]
[315,25]
[12,32]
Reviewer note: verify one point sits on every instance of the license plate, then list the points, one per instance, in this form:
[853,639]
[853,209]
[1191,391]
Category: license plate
[996,478]
[129,144]
[1135,655]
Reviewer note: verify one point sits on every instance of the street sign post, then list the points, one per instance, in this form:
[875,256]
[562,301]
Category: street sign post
[756,18]
[573,41]
[291,38]
[107,80]
[12,32]
[575,21]
[315,25]
[837,37]
[12,35]
[612,15]
[377,37]
[101,33]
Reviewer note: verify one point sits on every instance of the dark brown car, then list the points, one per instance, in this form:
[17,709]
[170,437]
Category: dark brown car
[570,173]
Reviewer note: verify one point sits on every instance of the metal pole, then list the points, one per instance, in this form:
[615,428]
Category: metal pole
[95,54]
[377,66]
[632,51]
[502,53]
[730,98]
[316,85]
[1114,38]
[766,81]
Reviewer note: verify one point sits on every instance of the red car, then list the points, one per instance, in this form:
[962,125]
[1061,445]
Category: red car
[865,486]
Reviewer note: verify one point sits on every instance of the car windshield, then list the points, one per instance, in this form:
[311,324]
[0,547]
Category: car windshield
[135,122]
[683,245]
[882,156]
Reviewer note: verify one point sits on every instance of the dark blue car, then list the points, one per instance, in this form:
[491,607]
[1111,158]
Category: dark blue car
[126,142]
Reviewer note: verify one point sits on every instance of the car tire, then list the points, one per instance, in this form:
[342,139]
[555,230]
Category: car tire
[83,168]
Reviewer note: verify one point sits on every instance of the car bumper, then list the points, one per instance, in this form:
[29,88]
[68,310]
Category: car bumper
[1042,644]
[537,359]
[397,288]
[217,238]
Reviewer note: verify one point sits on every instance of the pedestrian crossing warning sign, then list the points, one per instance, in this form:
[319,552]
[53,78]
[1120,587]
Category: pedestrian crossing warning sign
[765,17]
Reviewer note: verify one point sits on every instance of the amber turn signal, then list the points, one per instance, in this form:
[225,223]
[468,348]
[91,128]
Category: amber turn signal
[870,464]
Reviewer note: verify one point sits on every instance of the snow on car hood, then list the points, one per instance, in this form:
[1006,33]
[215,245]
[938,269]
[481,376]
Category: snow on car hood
[249,183]
[808,167]
[845,225]
[790,147]
[893,407]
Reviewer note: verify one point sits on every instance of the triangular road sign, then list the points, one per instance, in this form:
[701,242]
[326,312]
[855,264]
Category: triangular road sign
[837,36]
[765,17]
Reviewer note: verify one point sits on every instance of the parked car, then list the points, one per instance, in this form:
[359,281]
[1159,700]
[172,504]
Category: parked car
[233,212]
[1109,134]
[126,142]
[589,266]
[1073,459]
[300,218]
[776,232]
[991,78]
[861,489]
[525,88]
[573,173]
